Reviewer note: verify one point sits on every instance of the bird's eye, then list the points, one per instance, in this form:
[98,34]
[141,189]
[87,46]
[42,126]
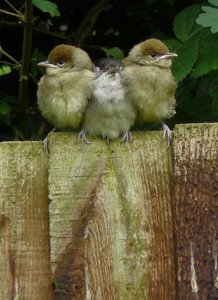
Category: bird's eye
[60,63]
[152,55]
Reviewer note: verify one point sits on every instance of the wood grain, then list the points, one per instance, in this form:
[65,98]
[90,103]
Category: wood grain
[111,218]
[73,178]
[24,245]
[113,213]
[196,191]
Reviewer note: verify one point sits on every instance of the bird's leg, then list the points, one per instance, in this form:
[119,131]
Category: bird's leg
[82,137]
[126,137]
[106,138]
[45,141]
[167,133]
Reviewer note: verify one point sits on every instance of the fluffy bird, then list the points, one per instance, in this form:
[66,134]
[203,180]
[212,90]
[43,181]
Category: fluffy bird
[150,84]
[109,114]
[63,92]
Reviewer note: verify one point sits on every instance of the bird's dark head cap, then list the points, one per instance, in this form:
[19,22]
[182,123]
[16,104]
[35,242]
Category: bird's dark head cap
[61,54]
[153,46]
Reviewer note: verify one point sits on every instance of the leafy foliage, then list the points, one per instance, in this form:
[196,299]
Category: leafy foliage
[184,25]
[207,58]
[114,52]
[210,16]
[5,111]
[189,28]
[197,50]
[5,69]
[187,56]
[47,7]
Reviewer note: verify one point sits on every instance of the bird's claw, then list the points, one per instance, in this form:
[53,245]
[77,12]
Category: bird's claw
[83,138]
[167,134]
[45,145]
[45,142]
[126,137]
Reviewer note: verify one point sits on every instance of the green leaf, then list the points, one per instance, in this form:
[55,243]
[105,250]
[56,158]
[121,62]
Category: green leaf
[47,6]
[114,52]
[209,18]
[173,45]
[207,58]
[207,84]
[5,69]
[213,2]
[194,100]
[5,108]
[184,25]
[187,56]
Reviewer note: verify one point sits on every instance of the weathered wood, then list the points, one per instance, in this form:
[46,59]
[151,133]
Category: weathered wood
[24,241]
[111,218]
[113,211]
[73,178]
[196,191]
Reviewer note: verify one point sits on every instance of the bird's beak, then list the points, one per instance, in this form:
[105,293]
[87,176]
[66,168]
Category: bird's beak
[47,64]
[166,55]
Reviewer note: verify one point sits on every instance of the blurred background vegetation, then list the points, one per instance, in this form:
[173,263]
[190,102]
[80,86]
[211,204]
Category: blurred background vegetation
[29,29]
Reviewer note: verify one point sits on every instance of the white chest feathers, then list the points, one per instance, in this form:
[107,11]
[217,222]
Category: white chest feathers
[108,88]
[109,114]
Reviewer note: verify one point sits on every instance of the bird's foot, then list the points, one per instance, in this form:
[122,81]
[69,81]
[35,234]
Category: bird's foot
[45,145]
[126,137]
[45,142]
[83,138]
[106,138]
[167,134]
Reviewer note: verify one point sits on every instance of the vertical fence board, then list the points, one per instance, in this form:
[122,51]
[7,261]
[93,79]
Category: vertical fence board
[73,179]
[144,176]
[111,219]
[130,250]
[196,191]
[24,214]
[7,221]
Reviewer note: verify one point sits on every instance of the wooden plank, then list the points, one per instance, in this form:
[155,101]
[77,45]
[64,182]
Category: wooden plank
[24,246]
[111,218]
[73,178]
[196,191]
[7,214]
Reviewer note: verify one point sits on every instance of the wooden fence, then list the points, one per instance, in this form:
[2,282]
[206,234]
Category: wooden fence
[111,222]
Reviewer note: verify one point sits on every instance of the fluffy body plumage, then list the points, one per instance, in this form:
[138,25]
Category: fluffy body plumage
[149,80]
[109,114]
[64,91]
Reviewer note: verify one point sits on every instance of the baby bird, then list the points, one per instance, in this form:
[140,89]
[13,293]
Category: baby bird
[63,92]
[109,114]
[150,84]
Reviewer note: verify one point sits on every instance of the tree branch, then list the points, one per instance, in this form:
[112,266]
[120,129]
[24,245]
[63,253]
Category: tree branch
[89,21]
[10,13]
[11,6]
[24,71]
[9,56]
